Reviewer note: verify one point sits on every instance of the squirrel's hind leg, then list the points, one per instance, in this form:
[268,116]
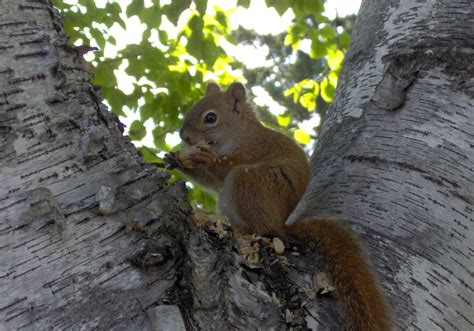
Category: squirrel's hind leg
[254,200]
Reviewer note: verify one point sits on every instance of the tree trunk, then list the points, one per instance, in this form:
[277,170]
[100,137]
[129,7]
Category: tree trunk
[90,237]
[76,201]
[395,159]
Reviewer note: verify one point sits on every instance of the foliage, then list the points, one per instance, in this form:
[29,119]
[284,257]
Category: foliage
[167,72]
[307,62]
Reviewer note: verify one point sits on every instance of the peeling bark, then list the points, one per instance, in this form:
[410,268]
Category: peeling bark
[90,237]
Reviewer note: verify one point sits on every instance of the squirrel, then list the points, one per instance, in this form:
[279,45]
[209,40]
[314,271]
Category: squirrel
[260,175]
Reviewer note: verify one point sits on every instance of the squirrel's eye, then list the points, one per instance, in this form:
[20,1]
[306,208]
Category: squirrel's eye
[210,118]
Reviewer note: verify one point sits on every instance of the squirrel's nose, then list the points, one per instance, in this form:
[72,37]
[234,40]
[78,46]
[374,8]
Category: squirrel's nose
[184,136]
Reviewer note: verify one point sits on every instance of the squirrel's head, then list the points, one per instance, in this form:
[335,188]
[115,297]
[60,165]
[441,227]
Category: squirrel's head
[218,119]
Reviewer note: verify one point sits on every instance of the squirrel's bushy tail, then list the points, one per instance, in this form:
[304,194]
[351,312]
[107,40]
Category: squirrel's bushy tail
[356,284]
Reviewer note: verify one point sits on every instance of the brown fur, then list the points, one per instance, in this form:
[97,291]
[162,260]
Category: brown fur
[260,175]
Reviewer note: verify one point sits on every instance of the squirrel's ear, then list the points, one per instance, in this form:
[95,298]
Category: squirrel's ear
[237,91]
[212,88]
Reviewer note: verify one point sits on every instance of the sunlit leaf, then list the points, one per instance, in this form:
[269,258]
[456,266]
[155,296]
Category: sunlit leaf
[284,120]
[302,136]
[335,59]
[308,100]
[149,154]
[289,92]
[333,77]
[222,18]
[327,91]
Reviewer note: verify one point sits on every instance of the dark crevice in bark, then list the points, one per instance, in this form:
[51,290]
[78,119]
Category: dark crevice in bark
[405,66]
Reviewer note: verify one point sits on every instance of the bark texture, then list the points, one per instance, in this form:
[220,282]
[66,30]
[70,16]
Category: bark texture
[75,196]
[396,154]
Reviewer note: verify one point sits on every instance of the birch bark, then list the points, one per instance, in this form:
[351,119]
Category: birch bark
[396,156]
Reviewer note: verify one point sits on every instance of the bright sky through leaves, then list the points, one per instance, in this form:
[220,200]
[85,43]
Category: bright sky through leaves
[267,21]
[258,17]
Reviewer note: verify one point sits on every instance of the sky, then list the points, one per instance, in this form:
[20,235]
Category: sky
[251,56]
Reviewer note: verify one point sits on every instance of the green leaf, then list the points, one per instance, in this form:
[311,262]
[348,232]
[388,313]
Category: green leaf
[196,24]
[344,40]
[281,6]
[201,6]
[221,17]
[195,45]
[289,92]
[335,59]
[149,154]
[327,32]
[314,7]
[61,5]
[137,130]
[206,200]
[327,91]
[159,138]
[111,40]
[116,99]
[98,37]
[320,18]
[151,109]
[308,101]
[104,74]
[243,3]
[135,8]
[288,40]
[284,120]
[163,36]
[318,49]
[114,10]
[151,16]
[302,136]
[146,34]
[333,77]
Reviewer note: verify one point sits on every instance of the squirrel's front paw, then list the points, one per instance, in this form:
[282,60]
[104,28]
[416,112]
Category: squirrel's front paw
[172,161]
[190,157]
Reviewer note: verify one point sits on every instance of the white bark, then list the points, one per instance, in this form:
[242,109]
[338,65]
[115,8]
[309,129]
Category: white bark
[63,263]
[396,156]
